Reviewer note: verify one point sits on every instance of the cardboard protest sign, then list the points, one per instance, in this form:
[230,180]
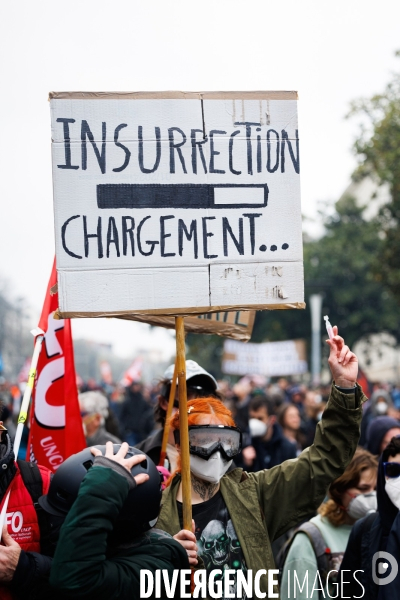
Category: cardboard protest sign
[237,324]
[270,359]
[176,203]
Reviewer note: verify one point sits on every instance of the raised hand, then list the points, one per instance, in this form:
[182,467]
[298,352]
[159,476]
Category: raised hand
[342,362]
[119,457]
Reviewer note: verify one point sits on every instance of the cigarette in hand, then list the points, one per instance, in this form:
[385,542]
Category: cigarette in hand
[328,327]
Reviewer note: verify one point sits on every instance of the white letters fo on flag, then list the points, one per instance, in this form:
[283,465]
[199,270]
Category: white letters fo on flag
[175,202]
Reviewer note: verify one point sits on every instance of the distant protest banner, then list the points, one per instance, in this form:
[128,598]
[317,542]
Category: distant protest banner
[176,203]
[133,373]
[237,325]
[270,359]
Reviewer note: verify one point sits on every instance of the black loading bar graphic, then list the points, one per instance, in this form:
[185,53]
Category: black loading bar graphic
[183,195]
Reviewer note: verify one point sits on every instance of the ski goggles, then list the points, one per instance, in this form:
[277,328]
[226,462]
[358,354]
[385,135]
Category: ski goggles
[204,440]
[391,469]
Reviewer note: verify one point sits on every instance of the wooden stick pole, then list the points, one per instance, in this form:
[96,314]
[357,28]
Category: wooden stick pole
[171,400]
[183,423]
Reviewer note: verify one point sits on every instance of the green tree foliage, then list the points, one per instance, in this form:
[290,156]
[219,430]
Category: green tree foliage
[378,149]
[340,265]
[356,264]
[206,350]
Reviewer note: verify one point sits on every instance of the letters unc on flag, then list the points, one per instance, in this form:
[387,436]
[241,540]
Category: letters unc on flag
[56,426]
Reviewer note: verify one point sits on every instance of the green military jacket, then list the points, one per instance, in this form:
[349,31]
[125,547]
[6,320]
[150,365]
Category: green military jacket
[265,504]
[83,567]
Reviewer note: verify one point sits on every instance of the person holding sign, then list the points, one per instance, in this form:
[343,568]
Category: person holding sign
[237,514]
[199,384]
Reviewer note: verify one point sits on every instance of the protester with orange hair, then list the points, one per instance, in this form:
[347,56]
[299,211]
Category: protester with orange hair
[237,514]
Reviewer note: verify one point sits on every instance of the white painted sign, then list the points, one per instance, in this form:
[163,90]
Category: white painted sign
[271,359]
[176,203]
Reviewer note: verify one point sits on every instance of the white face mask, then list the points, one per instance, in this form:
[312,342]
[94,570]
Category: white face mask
[362,505]
[211,470]
[381,408]
[392,487]
[173,455]
[257,428]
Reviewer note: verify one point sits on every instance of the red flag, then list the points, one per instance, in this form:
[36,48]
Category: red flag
[134,373]
[56,426]
[364,382]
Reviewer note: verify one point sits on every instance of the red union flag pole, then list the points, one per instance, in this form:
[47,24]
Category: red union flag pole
[56,427]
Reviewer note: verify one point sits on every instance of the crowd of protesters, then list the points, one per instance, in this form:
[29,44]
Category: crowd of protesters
[278,422]
[278,419]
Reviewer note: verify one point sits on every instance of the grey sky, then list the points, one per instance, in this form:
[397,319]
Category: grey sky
[330,52]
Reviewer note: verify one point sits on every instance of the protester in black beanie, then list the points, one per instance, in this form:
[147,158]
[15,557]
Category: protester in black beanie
[379,433]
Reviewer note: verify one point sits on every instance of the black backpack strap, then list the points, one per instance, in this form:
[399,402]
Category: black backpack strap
[32,479]
[319,546]
[34,484]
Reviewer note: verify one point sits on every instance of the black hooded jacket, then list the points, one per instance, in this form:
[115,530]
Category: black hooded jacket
[368,536]
[391,591]
[273,452]
[136,415]
[7,464]
[377,430]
